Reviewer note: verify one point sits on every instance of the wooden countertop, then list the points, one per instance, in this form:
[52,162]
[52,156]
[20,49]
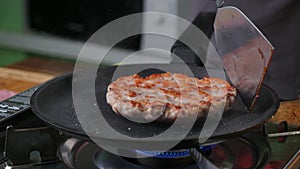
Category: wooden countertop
[288,111]
[31,72]
[19,80]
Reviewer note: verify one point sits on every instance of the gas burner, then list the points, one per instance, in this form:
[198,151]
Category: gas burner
[169,159]
[173,154]
[248,151]
[177,154]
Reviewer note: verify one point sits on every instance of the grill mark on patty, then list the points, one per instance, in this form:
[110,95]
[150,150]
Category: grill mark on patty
[176,95]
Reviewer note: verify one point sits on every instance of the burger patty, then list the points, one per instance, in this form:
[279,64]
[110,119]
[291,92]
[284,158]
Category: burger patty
[168,96]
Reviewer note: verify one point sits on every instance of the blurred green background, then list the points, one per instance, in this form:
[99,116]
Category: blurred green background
[12,18]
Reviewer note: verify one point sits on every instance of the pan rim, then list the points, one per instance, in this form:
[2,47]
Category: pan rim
[81,133]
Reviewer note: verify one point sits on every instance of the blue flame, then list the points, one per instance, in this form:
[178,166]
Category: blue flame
[172,154]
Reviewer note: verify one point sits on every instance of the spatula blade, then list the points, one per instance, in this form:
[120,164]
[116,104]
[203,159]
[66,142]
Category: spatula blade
[245,52]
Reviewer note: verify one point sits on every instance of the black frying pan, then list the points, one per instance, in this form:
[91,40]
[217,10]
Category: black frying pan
[53,103]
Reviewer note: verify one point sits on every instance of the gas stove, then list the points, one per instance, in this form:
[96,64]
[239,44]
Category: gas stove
[29,143]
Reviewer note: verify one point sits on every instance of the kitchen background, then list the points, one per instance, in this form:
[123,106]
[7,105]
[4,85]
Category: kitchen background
[58,29]
[28,31]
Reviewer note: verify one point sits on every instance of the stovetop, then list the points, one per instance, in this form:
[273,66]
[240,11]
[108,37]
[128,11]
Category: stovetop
[281,149]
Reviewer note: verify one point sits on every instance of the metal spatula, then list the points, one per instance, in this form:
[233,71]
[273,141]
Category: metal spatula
[244,50]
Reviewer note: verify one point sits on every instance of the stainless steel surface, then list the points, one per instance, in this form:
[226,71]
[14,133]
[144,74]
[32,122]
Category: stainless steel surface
[69,49]
[67,150]
[77,154]
[294,163]
[244,50]
[219,3]
[289,133]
